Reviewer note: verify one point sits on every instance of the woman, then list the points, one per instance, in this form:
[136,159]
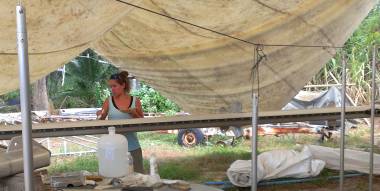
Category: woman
[121,105]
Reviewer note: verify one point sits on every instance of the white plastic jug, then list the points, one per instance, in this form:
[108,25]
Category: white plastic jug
[113,155]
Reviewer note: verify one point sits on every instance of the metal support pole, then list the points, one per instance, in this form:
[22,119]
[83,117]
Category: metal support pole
[65,140]
[255,103]
[64,147]
[87,140]
[48,144]
[342,123]
[373,96]
[22,49]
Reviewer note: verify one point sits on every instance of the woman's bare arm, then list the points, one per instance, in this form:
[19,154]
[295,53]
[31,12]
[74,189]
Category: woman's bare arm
[137,112]
[104,111]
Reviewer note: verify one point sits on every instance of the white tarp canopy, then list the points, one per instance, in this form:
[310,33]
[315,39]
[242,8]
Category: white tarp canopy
[201,71]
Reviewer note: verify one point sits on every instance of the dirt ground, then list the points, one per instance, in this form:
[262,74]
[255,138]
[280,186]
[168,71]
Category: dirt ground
[351,184]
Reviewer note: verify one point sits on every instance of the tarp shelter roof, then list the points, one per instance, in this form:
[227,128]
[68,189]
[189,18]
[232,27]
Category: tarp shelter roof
[201,71]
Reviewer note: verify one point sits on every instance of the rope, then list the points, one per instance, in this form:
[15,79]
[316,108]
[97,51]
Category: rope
[224,34]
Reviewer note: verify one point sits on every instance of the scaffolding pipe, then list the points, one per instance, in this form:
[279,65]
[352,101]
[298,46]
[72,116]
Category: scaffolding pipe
[73,153]
[93,137]
[342,123]
[373,96]
[86,140]
[22,50]
[65,140]
[285,181]
[255,102]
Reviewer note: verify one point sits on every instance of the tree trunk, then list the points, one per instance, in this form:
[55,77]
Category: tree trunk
[40,97]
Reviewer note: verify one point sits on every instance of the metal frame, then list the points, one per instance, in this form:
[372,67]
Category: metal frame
[22,50]
[22,45]
[183,122]
[81,141]
[342,124]
[372,139]
[255,104]
[372,116]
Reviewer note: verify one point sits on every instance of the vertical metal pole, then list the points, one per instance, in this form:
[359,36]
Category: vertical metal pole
[255,102]
[48,144]
[342,123]
[373,96]
[65,147]
[22,49]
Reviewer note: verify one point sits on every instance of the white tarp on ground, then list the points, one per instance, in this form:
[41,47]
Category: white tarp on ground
[308,163]
[201,71]
[276,164]
[353,160]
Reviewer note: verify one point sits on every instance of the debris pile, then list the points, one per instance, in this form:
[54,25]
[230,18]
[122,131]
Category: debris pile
[62,115]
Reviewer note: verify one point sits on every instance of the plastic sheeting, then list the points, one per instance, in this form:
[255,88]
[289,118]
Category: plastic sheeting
[353,160]
[329,98]
[11,161]
[292,164]
[201,71]
[276,164]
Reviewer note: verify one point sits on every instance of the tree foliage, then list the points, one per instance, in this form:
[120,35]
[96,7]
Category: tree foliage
[358,51]
[153,102]
[85,83]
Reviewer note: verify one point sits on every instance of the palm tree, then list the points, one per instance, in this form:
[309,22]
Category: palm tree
[85,82]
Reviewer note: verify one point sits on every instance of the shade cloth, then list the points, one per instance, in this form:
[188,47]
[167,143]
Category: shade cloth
[201,71]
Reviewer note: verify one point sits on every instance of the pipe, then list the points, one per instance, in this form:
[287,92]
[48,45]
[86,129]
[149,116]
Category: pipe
[255,101]
[184,122]
[303,180]
[22,50]
[343,123]
[217,183]
[373,96]
[73,153]
[93,137]
[76,142]
[82,139]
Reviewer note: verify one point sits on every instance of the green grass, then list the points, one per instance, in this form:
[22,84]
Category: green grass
[178,170]
[196,164]
[208,163]
[148,139]
[357,139]
[202,163]
[71,164]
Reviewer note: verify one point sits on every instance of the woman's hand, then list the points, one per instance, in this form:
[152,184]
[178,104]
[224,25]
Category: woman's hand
[135,112]
[128,110]
[98,113]
[125,110]
[132,111]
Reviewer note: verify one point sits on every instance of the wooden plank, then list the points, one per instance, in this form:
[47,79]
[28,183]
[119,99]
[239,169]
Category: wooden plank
[181,122]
